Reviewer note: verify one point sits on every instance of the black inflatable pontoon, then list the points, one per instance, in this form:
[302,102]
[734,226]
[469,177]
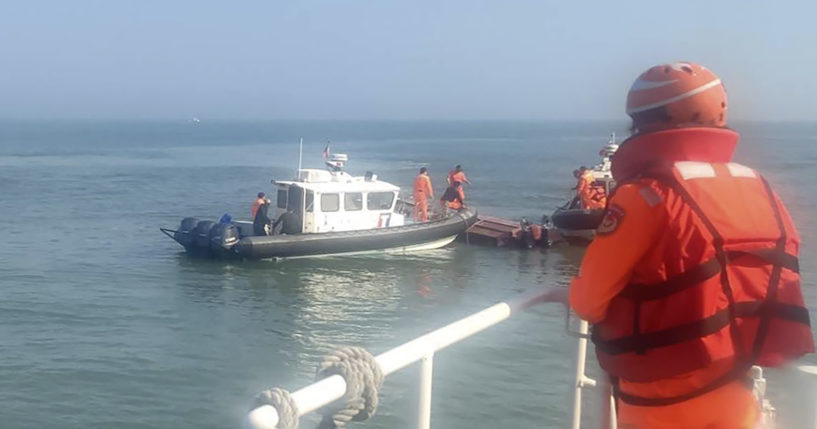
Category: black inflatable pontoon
[206,238]
[575,224]
[577,219]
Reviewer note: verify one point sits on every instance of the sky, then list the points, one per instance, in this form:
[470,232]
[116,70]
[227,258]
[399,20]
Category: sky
[393,60]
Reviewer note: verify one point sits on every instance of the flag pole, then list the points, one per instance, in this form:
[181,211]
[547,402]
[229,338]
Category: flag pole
[300,156]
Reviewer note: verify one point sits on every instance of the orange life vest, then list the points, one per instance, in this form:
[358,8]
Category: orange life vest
[456,176]
[255,206]
[592,196]
[731,290]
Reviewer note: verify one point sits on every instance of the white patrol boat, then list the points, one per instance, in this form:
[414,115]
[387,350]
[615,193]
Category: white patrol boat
[334,213]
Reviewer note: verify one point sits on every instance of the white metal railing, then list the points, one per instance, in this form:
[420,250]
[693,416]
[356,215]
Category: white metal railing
[324,392]
[327,390]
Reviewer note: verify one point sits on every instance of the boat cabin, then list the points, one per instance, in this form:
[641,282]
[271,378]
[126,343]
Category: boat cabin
[333,200]
[601,172]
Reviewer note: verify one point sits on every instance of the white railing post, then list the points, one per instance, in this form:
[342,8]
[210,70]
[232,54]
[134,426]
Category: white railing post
[426,373]
[581,379]
[810,372]
[607,418]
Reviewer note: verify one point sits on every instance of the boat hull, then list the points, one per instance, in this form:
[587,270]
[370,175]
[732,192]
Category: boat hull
[399,239]
[391,251]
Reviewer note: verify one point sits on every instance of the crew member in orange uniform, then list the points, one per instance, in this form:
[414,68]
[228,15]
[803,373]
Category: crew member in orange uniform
[422,192]
[693,275]
[258,203]
[590,195]
[457,175]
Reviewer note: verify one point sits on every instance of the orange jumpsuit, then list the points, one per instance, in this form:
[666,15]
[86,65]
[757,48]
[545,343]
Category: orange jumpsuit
[591,196]
[613,261]
[422,192]
[458,176]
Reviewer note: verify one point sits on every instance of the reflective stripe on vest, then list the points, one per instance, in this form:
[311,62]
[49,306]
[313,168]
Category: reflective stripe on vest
[681,344]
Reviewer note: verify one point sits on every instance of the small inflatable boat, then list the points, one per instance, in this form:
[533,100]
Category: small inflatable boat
[575,224]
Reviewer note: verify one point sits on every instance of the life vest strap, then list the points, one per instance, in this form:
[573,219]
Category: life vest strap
[776,257]
[674,284]
[645,341]
[704,271]
[737,373]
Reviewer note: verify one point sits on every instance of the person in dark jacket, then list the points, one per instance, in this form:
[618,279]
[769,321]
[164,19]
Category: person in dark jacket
[453,198]
[261,220]
[290,223]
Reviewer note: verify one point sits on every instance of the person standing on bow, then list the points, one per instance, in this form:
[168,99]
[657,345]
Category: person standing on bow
[261,221]
[457,175]
[590,195]
[693,276]
[258,203]
[422,192]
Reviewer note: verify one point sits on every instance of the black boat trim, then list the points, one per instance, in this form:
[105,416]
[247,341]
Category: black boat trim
[342,242]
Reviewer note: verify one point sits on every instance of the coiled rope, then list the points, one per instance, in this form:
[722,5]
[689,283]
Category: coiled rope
[284,405]
[363,377]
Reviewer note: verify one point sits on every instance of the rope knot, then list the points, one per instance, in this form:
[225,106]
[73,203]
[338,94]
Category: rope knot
[284,405]
[363,377]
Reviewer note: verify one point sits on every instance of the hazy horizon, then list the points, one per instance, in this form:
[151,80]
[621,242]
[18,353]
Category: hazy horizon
[381,61]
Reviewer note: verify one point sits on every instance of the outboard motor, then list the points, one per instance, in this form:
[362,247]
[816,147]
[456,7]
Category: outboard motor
[547,226]
[202,238]
[526,239]
[185,235]
[223,236]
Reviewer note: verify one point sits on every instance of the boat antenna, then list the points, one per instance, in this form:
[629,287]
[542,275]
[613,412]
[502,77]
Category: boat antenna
[300,156]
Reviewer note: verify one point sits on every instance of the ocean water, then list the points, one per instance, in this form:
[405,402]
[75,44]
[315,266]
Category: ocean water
[105,323]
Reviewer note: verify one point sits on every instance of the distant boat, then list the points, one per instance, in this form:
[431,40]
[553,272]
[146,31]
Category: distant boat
[195,120]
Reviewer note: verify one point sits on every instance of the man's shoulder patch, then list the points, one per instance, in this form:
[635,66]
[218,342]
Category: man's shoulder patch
[612,218]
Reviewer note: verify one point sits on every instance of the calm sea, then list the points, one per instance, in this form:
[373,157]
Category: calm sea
[105,323]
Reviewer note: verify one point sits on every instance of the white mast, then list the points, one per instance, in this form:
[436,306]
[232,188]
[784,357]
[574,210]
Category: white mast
[300,156]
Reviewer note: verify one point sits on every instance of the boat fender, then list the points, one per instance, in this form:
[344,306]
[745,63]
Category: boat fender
[185,234]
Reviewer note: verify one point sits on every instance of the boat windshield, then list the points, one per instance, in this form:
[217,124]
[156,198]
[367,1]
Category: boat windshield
[379,200]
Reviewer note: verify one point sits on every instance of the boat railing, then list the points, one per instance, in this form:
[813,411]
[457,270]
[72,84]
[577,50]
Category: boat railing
[328,390]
